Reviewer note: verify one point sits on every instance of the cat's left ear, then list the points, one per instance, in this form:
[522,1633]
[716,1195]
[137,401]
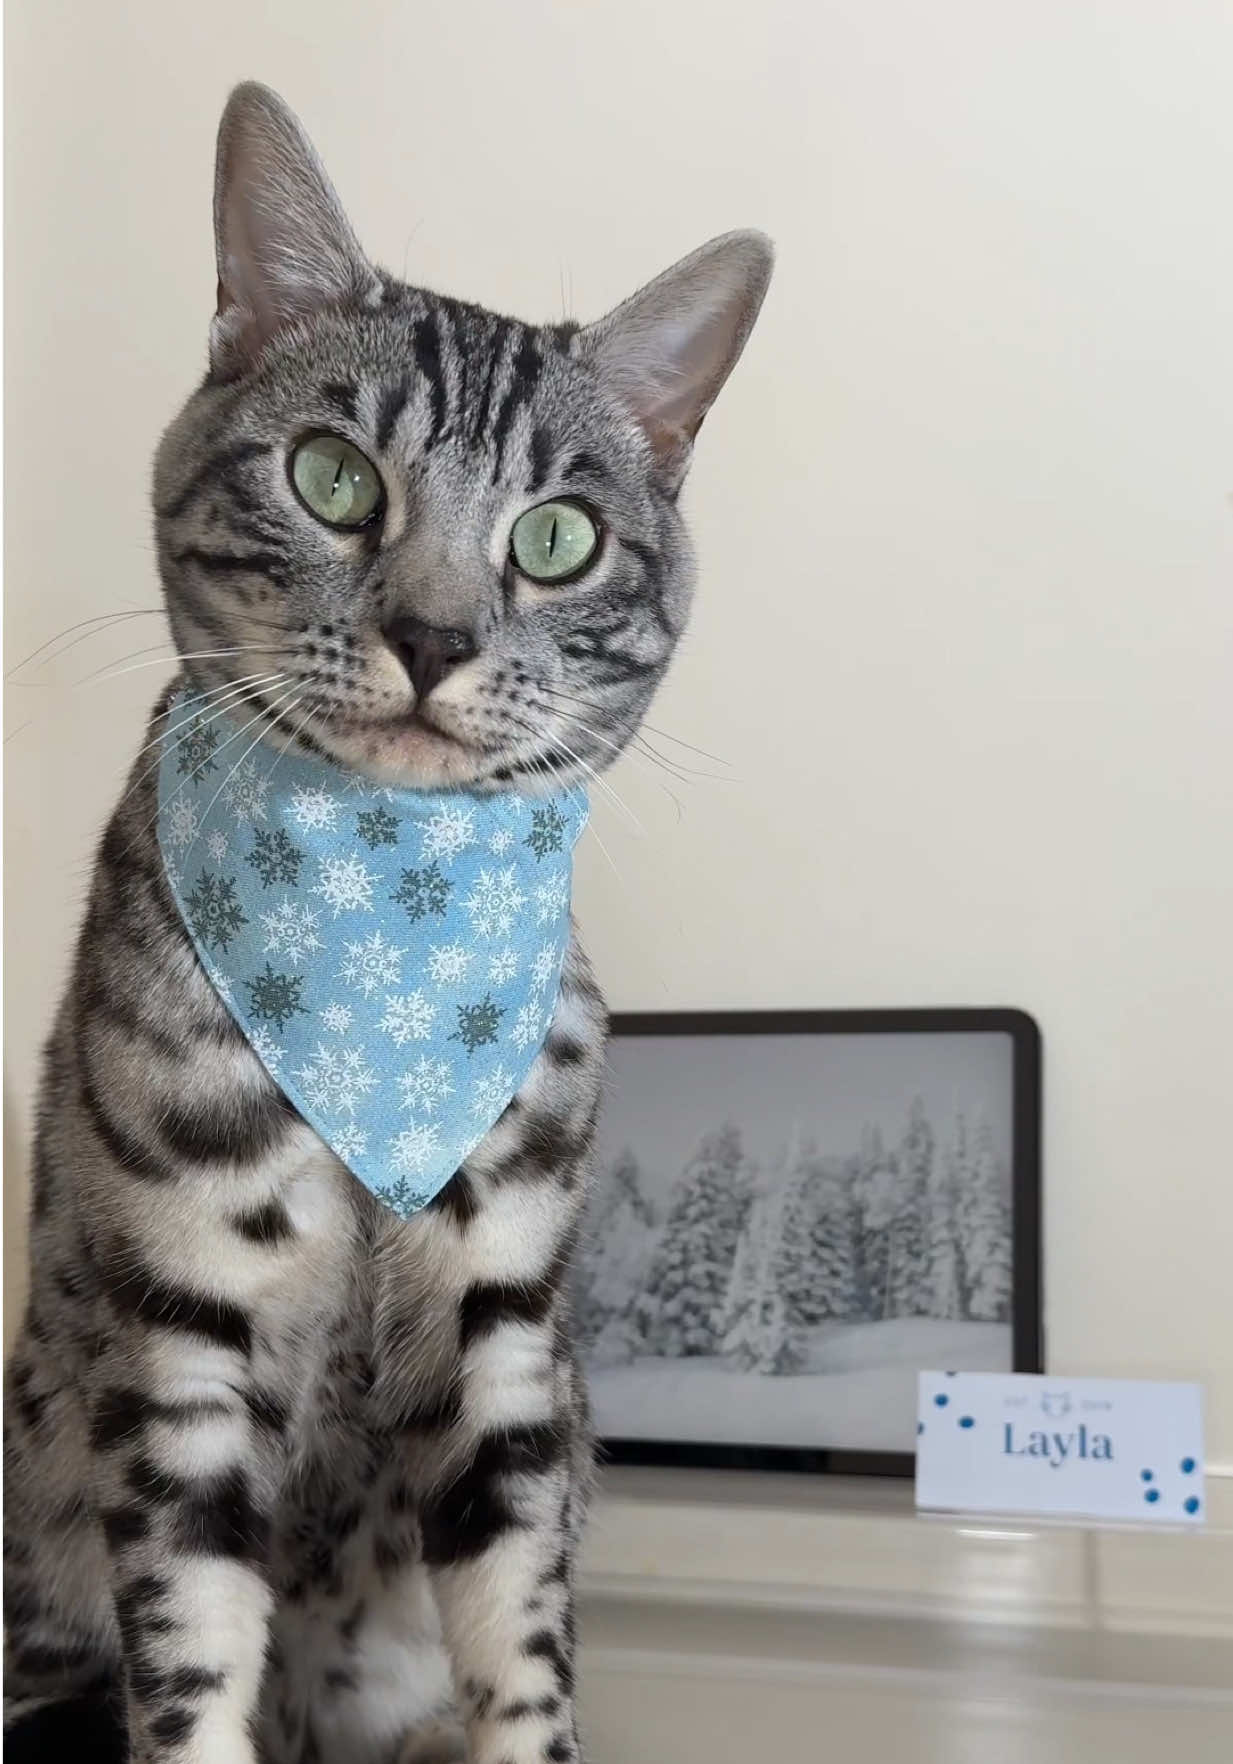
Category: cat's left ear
[285,247]
[667,350]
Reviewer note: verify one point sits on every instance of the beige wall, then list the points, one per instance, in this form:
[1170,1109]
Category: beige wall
[965,625]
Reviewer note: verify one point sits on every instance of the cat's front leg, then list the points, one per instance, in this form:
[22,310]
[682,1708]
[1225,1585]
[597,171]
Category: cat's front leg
[184,1484]
[499,1541]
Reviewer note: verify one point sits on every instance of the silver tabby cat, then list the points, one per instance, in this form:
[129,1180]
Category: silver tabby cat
[288,1478]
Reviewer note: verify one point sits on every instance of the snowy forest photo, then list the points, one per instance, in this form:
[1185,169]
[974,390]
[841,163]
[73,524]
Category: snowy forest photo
[785,1229]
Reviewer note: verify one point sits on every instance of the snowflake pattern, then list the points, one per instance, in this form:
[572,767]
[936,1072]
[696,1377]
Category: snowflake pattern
[245,792]
[492,1090]
[371,964]
[423,891]
[213,910]
[182,823]
[392,955]
[346,884]
[194,753]
[447,833]
[551,898]
[275,858]
[412,1150]
[314,809]
[275,998]
[478,1023]
[291,931]
[266,1049]
[349,1142]
[543,967]
[336,1078]
[547,830]
[503,967]
[449,962]
[377,827]
[527,1024]
[426,1084]
[495,902]
[409,1016]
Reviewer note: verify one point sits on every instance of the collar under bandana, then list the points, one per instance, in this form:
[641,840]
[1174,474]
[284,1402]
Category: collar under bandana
[392,956]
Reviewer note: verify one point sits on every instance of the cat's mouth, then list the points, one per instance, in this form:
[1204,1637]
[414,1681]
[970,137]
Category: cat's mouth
[409,748]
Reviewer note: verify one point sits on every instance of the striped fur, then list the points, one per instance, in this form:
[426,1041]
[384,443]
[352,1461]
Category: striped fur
[289,1478]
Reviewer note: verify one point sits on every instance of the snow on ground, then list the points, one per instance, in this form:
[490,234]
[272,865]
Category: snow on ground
[861,1394]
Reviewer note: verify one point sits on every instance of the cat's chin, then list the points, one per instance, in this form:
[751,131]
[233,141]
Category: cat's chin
[408,753]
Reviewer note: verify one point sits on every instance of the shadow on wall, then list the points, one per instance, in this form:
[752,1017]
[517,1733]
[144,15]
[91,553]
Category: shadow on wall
[16,1200]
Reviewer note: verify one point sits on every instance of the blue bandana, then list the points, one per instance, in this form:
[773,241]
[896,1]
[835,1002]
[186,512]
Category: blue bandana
[392,956]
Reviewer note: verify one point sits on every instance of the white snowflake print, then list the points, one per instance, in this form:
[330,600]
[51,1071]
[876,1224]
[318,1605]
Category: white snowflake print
[495,902]
[551,898]
[491,1092]
[314,808]
[266,1048]
[245,792]
[408,1017]
[544,966]
[500,842]
[220,983]
[449,962]
[336,1078]
[182,822]
[349,1142]
[526,1030]
[346,884]
[503,966]
[371,964]
[426,1084]
[216,844]
[174,875]
[368,788]
[447,833]
[336,1018]
[414,1148]
[291,931]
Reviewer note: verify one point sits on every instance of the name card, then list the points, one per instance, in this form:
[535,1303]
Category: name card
[1099,1448]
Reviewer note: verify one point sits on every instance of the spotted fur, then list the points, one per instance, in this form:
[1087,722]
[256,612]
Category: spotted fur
[287,1477]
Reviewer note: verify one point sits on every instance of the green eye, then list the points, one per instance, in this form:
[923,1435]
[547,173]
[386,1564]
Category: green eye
[335,481]
[554,541]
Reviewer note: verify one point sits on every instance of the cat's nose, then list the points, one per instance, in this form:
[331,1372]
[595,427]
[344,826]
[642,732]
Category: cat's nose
[427,652]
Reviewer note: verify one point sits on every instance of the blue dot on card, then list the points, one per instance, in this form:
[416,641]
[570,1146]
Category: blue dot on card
[920,1427]
[1146,1475]
[950,1374]
[966,1421]
[1187,1466]
[1153,1494]
[1191,1503]
[941,1401]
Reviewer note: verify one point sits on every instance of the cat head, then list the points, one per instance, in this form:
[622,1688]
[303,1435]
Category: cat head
[436,545]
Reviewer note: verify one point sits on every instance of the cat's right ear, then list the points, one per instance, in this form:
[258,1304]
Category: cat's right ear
[284,246]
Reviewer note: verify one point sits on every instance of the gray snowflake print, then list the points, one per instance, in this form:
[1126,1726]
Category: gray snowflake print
[275,858]
[423,891]
[478,1023]
[195,751]
[275,998]
[547,830]
[213,910]
[377,827]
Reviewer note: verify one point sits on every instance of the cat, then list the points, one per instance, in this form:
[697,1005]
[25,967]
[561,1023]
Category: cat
[290,1478]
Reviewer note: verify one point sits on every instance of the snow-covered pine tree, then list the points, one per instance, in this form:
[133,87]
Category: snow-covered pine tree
[945,1255]
[682,1305]
[745,1320]
[814,1269]
[985,1233]
[908,1274]
[875,1185]
[618,1242]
